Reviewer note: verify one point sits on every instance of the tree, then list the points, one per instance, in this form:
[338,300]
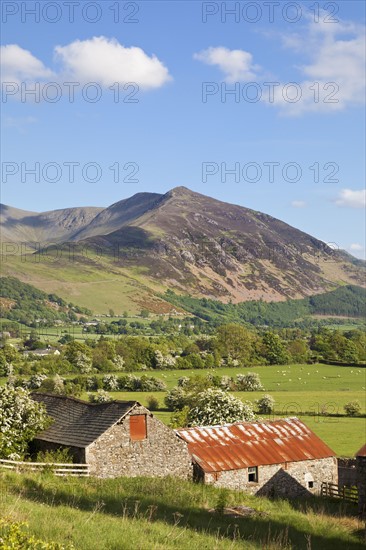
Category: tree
[101,396]
[236,341]
[152,403]
[299,351]
[8,357]
[353,408]
[265,404]
[78,355]
[215,406]
[179,419]
[274,349]
[176,399]
[21,418]
[248,382]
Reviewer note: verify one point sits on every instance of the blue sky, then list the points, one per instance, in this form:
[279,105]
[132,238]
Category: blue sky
[300,159]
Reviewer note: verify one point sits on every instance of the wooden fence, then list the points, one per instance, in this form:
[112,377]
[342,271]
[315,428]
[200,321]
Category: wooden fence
[57,469]
[350,494]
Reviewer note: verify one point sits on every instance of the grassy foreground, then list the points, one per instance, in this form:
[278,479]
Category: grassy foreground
[146,513]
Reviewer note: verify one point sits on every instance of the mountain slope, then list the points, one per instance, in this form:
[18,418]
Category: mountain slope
[118,214]
[184,241]
[53,226]
[210,248]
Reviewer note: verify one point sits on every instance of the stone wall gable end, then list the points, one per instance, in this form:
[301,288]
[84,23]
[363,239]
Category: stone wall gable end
[114,454]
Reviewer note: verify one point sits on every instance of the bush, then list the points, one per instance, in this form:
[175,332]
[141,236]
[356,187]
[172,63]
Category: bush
[110,382]
[215,406]
[129,383]
[36,381]
[59,456]
[94,383]
[179,419]
[150,383]
[101,396]
[353,408]
[222,501]
[21,418]
[152,403]
[53,385]
[265,405]
[183,381]
[13,535]
[248,382]
[176,399]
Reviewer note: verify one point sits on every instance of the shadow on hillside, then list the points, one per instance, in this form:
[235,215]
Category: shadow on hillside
[258,528]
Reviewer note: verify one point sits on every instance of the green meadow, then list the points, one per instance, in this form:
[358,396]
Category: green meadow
[156,514]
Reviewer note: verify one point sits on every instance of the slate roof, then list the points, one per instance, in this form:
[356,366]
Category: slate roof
[78,423]
[245,444]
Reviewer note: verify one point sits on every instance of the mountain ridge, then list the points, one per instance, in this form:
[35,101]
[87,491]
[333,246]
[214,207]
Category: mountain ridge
[193,244]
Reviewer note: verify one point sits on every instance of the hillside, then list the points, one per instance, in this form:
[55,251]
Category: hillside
[142,513]
[347,301]
[182,241]
[26,304]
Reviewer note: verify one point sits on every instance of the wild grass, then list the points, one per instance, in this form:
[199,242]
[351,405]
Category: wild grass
[147,513]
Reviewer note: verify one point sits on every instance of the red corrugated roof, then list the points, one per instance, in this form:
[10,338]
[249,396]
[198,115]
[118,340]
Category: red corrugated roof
[362,451]
[244,444]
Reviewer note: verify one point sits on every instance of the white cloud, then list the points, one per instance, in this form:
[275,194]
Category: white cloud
[237,65]
[106,61]
[351,198]
[356,247]
[101,60]
[19,65]
[336,55]
[298,204]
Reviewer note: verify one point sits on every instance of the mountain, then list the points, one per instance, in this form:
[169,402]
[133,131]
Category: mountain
[56,226]
[183,241]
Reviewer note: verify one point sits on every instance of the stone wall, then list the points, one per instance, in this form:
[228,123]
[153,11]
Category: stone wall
[289,479]
[113,454]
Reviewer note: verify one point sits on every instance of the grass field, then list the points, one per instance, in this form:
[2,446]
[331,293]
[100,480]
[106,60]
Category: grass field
[156,514]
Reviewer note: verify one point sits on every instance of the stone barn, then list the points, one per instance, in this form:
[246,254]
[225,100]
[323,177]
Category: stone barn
[119,438]
[275,458]
[361,480]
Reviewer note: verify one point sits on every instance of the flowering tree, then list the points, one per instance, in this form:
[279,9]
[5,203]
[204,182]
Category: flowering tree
[101,396]
[265,404]
[21,419]
[163,361]
[78,355]
[248,382]
[215,406]
[119,362]
[110,382]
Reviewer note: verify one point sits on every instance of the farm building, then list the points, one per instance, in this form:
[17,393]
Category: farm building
[120,438]
[361,479]
[282,457]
